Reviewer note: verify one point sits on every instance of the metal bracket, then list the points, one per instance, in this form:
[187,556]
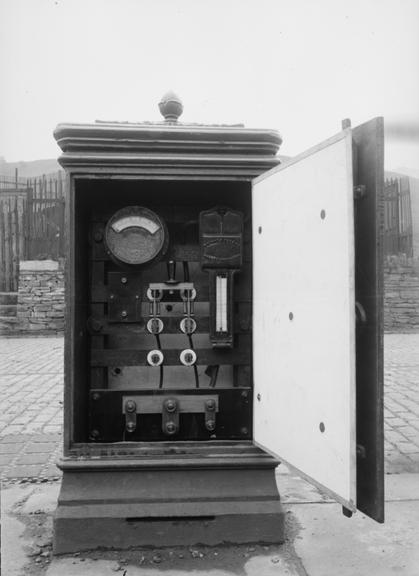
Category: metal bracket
[170,416]
[130,415]
[210,414]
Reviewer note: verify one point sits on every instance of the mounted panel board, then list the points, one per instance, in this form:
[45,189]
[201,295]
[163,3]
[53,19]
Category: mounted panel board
[303,316]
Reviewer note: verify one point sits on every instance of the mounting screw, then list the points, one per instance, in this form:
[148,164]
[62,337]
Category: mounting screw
[98,236]
[124,279]
[130,406]
[259,397]
[95,396]
[130,426]
[210,425]
[210,405]
[170,405]
[244,394]
[244,430]
[170,428]
[124,313]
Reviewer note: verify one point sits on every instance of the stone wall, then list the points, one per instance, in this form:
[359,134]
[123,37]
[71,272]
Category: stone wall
[41,296]
[40,308]
[401,294]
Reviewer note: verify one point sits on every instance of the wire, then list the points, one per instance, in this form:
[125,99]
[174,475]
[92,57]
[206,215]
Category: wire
[185,271]
[195,367]
[214,376]
[161,365]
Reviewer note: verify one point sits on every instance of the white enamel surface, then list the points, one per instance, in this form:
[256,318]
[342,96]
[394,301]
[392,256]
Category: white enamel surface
[303,266]
[221,304]
[135,221]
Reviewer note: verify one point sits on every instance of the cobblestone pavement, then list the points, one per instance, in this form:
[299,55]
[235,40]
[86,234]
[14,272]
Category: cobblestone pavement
[401,402]
[31,388]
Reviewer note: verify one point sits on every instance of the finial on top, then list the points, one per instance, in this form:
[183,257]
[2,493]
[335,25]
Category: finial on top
[171,106]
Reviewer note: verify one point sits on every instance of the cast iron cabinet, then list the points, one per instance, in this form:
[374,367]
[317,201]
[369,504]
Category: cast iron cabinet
[168,424]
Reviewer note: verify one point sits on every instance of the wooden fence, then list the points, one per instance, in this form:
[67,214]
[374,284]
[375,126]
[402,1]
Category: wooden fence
[31,224]
[398,237]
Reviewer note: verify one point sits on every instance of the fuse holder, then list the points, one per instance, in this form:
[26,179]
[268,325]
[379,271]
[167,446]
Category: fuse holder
[188,357]
[155,357]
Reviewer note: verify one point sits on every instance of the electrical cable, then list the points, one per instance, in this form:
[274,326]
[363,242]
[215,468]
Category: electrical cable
[195,367]
[161,365]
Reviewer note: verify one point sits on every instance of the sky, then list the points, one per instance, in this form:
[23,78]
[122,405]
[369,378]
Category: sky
[297,66]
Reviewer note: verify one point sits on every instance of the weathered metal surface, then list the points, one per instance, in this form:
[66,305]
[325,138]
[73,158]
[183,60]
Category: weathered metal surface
[303,315]
[121,508]
[369,288]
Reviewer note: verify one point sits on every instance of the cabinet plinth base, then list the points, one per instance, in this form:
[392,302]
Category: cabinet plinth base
[133,508]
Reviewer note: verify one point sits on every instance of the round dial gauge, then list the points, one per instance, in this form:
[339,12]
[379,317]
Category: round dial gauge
[135,235]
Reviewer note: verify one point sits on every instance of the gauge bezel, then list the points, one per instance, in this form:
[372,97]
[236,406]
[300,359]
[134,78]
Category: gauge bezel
[141,213]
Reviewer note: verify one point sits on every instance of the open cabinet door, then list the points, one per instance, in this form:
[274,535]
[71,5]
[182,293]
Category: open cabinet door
[308,394]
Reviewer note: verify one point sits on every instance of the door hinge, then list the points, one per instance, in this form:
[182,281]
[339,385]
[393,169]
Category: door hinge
[360,451]
[360,191]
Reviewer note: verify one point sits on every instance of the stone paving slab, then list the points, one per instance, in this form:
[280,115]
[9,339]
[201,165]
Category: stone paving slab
[31,388]
[401,402]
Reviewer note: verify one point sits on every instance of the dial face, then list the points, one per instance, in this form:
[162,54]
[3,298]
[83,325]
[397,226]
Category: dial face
[135,235]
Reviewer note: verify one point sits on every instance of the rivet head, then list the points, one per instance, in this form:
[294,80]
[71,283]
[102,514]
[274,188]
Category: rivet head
[323,214]
[210,424]
[124,313]
[98,236]
[124,279]
[322,427]
[210,405]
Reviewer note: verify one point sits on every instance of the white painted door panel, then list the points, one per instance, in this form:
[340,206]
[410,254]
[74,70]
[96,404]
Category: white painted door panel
[303,315]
